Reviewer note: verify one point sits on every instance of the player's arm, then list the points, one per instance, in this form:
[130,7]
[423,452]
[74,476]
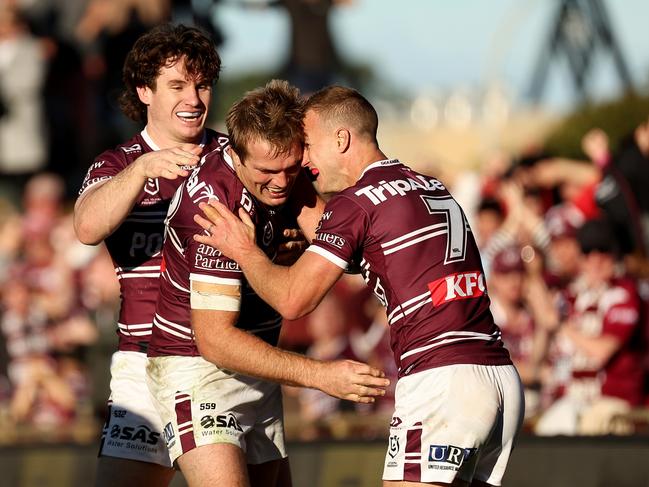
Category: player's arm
[293,291]
[600,348]
[103,207]
[219,341]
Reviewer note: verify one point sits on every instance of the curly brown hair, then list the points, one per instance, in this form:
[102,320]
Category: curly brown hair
[162,46]
[273,113]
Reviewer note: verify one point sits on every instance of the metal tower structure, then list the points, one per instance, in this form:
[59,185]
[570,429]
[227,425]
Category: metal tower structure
[581,30]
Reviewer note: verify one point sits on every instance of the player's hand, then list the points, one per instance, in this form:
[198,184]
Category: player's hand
[169,163]
[224,231]
[351,380]
[292,247]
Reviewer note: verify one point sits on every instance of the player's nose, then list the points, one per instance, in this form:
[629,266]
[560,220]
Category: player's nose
[192,97]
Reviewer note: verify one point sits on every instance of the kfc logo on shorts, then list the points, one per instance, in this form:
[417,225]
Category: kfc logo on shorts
[449,454]
[457,286]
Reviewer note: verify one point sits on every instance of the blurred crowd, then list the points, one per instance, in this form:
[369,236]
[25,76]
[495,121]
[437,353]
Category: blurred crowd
[565,247]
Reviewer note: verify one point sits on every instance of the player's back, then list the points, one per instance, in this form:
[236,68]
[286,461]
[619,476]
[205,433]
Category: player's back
[420,258]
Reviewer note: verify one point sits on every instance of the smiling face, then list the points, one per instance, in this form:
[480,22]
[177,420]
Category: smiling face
[268,176]
[177,106]
[321,155]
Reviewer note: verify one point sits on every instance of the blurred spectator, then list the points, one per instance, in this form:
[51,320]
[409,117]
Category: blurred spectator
[372,345]
[22,126]
[506,285]
[523,223]
[111,27]
[489,218]
[599,340]
[563,253]
[349,323]
[328,327]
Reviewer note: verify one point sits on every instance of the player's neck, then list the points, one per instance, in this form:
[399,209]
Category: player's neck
[366,157]
[166,141]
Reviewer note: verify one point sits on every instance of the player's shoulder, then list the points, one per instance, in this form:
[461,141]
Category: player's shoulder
[214,178]
[124,153]
[215,140]
[387,180]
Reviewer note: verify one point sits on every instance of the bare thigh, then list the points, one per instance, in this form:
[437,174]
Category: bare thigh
[113,471]
[221,464]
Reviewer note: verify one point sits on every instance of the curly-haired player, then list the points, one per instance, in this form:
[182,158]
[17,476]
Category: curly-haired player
[168,77]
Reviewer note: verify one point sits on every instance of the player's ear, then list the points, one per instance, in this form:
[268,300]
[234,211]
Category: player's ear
[343,139]
[236,160]
[144,94]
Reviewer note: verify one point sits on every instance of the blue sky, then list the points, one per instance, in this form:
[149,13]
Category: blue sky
[439,45]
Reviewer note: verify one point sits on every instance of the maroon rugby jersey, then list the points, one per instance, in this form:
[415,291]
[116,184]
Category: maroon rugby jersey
[185,259]
[135,245]
[612,309]
[419,256]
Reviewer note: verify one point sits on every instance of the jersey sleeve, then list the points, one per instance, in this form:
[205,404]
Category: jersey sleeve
[205,263]
[104,167]
[623,315]
[341,232]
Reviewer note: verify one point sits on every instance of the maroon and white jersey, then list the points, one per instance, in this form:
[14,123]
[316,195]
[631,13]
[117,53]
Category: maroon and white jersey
[186,260]
[612,309]
[135,245]
[418,254]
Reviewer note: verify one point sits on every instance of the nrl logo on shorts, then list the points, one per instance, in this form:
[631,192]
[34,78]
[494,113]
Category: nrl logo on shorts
[396,421]
[393,446]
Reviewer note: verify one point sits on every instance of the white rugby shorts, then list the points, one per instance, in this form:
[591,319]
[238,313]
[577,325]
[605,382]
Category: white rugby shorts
[201,404]
[454,421]
[133,429]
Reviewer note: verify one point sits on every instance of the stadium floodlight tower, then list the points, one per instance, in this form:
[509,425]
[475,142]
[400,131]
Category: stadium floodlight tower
[581,29]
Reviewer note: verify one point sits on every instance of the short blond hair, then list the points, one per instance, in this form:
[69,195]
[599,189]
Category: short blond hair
[273,113]
[339,104]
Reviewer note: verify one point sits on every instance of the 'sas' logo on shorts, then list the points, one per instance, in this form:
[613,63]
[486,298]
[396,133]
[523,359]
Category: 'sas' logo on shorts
[457,286]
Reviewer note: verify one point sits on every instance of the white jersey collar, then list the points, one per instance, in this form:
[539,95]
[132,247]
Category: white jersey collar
[382,163]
